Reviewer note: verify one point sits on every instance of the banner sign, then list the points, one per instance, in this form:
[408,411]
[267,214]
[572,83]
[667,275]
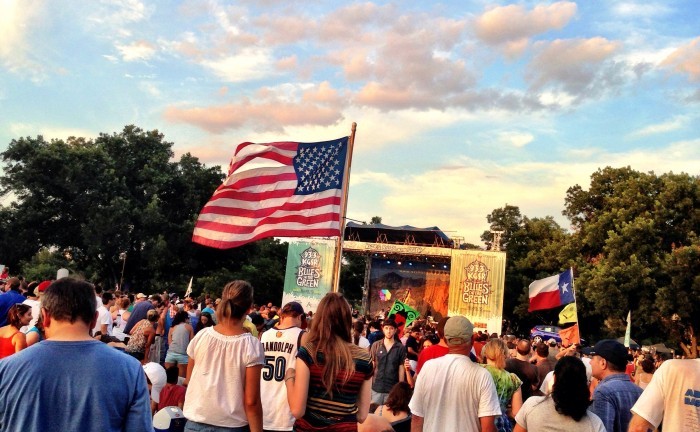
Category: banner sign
[396,249]
[477,280]
[309,274]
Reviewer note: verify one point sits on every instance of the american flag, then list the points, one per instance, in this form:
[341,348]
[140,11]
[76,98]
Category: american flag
[281,189]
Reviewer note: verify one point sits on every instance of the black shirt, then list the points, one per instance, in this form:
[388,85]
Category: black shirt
[386,365]
[412,342]
[527,373]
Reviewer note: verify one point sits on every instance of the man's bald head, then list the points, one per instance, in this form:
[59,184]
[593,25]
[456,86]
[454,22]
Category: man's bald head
[523,347]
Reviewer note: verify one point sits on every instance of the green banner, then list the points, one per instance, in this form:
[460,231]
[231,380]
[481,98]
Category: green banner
[403,314]
[309,274]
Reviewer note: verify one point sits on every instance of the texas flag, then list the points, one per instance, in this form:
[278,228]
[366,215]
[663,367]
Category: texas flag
[551,292]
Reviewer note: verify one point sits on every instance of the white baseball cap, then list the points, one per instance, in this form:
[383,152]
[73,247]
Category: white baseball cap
[158,378]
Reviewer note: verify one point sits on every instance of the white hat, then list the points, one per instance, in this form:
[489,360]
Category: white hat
[158,378]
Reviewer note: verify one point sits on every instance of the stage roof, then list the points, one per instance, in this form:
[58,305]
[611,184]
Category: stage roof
[406,234]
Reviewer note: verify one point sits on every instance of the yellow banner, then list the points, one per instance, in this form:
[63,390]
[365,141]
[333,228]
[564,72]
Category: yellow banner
[568,314]
[477,280]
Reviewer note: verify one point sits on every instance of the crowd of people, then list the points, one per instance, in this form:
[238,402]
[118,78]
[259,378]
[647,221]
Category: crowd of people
[108,361]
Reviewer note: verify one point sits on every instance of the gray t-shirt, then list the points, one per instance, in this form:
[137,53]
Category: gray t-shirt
[539,414]
[181,338]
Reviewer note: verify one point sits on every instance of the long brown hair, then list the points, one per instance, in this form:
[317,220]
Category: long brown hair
[236,299]
[330,334]
[15,314]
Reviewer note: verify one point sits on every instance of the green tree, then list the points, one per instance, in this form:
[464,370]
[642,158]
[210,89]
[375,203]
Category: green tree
[91,201]
[506,219]
[627,225]
[44,264]
[534,248]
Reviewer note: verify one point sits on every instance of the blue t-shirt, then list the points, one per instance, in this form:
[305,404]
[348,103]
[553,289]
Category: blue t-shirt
[8,300]
[73,386]
[139,313]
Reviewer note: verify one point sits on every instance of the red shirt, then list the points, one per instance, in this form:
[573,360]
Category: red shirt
[429,353]
[171,395]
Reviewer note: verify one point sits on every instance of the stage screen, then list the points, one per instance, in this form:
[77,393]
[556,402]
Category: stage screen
[423,285]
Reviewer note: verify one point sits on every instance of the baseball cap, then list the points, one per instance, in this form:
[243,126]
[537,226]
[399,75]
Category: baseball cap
[292,308]
[458,327]
[140,295]
[612,351]
[158,378]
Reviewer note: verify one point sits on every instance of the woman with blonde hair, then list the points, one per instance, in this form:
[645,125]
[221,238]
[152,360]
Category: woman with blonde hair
[11,339]
[142,337]
[495,354]
[330,388]
[223,369]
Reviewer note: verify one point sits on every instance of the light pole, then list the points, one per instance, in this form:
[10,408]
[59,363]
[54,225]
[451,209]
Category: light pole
[123,258]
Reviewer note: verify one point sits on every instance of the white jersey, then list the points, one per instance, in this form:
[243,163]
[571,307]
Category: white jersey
[280,354]
[673,395]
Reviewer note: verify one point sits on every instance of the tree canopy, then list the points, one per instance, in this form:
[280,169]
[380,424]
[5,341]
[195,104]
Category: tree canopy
[117,202]
[633,246]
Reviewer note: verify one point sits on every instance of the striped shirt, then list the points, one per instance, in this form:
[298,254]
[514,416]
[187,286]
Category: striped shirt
[339,412]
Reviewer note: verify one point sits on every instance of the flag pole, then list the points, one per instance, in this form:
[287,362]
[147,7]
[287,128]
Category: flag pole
[573,290]
[344,207]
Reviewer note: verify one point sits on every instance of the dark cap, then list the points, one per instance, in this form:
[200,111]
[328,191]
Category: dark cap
[293,309]
[390,322]
[612,351]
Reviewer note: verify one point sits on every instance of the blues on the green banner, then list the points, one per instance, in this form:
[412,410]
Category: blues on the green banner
[403,314]
[309,273]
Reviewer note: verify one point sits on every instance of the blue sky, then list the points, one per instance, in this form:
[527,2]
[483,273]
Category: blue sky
[461,106]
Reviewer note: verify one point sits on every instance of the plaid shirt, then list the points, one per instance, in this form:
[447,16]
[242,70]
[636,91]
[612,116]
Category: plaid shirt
[612,400]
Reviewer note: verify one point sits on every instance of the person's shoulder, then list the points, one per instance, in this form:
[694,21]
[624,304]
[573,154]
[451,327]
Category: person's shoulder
[359,353]
[596,422]
[533,401]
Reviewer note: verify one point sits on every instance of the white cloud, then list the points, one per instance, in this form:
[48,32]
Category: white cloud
[670,125]
[686,60]
[17,21]
[150,88]
[630,9]
[136,51]
[515,138]
[458,196]
[513,23]
[248,65]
